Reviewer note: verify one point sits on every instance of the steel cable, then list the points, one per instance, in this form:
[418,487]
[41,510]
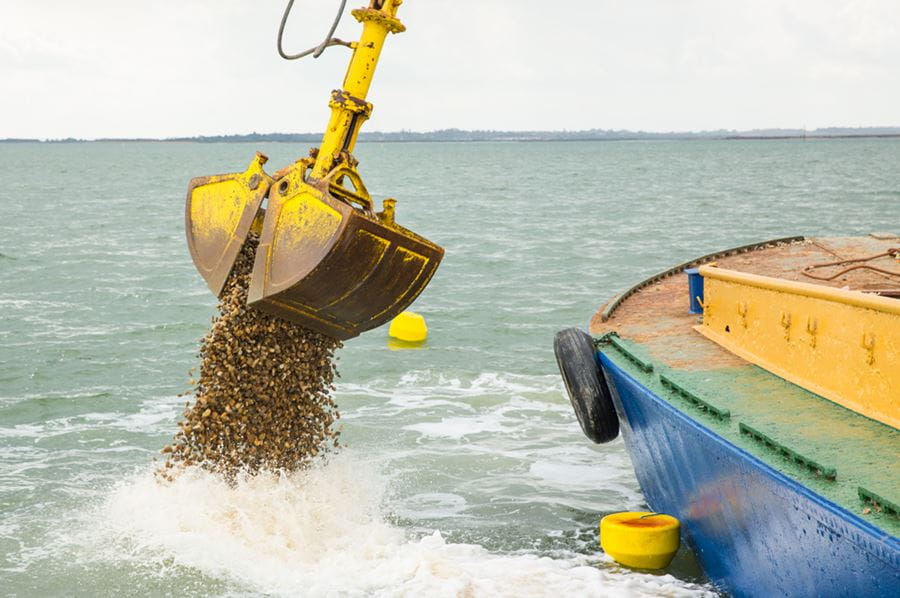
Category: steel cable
[316,51]
[893,252]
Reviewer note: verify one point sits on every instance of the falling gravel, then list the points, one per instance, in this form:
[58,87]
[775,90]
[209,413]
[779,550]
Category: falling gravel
[263,398]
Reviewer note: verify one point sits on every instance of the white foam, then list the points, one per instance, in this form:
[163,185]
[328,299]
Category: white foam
[460,427]
[512,416]
[436,385]
[424,389]
[323,533]
[601,473]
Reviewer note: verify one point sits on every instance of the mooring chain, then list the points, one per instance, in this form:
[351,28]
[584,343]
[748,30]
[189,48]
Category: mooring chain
[316,51]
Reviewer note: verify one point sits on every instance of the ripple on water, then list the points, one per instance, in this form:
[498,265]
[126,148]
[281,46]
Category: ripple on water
[101,311]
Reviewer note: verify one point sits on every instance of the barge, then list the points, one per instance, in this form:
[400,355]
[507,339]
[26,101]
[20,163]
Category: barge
[759,399]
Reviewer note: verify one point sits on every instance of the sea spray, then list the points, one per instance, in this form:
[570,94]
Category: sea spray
[263,400]
[323,531]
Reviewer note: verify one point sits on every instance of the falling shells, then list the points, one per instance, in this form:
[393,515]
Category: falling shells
[263,397]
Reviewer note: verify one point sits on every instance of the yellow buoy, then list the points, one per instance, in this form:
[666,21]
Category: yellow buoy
[409,327]
[639,539]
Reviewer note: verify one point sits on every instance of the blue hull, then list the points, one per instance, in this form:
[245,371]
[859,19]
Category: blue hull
[755,531]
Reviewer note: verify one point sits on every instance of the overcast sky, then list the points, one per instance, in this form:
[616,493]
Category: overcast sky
[161,68]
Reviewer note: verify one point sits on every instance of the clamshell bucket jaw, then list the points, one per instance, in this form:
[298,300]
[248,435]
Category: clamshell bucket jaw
[331,266]
[325,260]
[218,215]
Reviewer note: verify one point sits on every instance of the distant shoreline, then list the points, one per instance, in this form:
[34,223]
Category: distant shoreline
[459,135]
[802,137]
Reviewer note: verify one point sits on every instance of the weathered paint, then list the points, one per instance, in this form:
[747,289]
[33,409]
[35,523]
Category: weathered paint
[333,267]
[756,530]
[612,305]
[802,428]
[349,109]
[306,226]
[219,213]
[326,259]
[843,345]
[782,491]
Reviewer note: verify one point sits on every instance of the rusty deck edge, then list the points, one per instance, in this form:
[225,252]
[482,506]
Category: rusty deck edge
[617,301]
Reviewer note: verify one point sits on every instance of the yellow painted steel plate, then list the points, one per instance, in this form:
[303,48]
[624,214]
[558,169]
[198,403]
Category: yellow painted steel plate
[843,345]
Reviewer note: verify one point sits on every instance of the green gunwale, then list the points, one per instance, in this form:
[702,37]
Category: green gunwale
[843,456]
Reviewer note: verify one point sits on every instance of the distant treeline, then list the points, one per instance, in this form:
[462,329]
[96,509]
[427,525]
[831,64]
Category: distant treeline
[489,135]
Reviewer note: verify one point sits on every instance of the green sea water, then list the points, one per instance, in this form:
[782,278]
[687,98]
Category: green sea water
[466,472]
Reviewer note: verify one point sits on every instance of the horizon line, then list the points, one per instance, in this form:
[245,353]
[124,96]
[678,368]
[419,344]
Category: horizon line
[456,134]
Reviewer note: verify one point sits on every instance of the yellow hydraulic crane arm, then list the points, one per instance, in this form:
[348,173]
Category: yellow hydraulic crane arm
[349,108]
[325,258]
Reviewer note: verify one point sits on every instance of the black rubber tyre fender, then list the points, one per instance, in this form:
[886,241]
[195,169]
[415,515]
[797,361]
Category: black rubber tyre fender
[586,385]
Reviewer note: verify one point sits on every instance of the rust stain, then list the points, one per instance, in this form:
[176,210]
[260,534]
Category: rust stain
[657,315]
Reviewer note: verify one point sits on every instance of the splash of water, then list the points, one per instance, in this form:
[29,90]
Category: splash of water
[323,532]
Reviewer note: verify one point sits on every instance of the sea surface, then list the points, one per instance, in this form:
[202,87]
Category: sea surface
[465,472]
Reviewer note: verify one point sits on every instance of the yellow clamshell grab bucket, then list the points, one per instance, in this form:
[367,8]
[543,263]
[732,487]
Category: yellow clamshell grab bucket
[326,260]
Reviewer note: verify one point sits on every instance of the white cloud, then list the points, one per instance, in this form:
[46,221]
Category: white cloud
[98,68]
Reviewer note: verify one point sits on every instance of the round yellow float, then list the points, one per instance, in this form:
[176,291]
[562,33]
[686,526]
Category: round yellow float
[640,539]
[409,327]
